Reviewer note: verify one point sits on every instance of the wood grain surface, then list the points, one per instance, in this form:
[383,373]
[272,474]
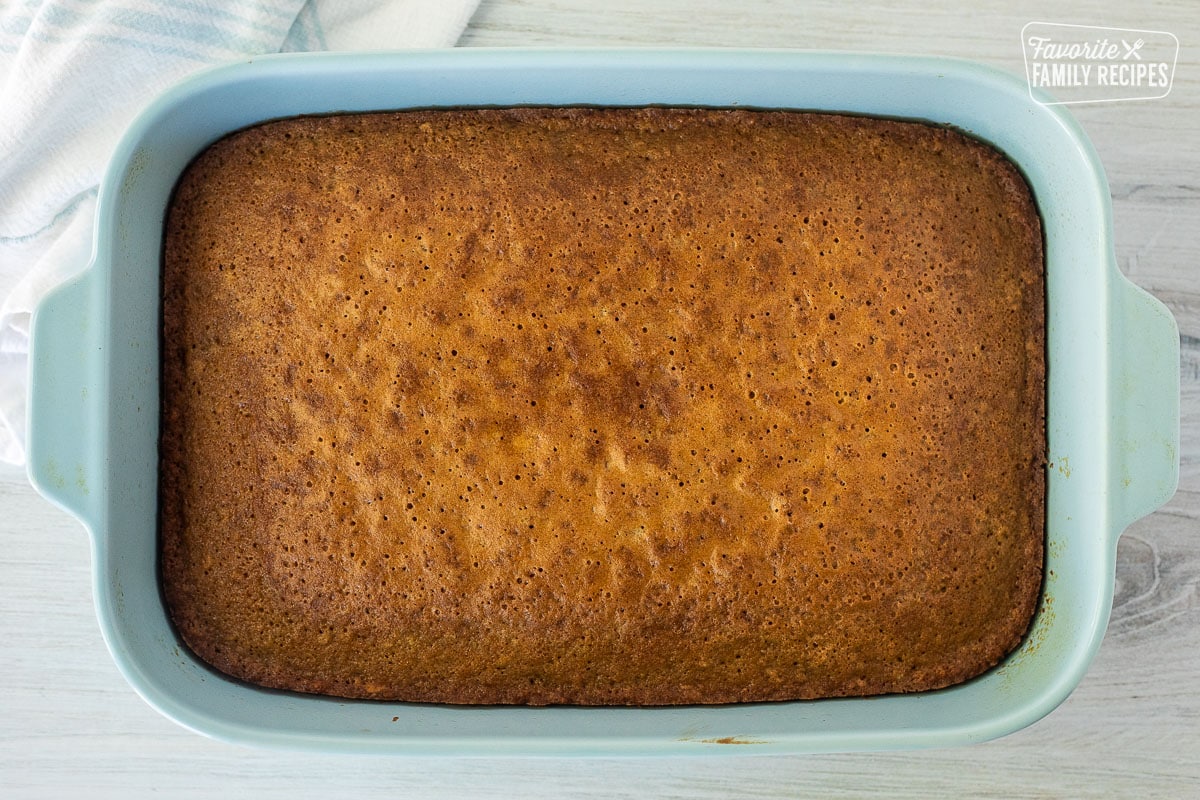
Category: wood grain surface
[70,724]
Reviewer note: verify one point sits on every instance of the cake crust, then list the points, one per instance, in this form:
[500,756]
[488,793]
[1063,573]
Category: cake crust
[602,406]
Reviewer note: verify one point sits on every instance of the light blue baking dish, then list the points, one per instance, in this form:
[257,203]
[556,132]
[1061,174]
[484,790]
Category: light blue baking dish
[1113,395]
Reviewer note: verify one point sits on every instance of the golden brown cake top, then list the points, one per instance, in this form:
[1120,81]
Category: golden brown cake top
[631,406]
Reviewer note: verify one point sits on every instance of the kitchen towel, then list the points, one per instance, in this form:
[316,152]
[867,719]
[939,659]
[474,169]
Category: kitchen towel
[74,74]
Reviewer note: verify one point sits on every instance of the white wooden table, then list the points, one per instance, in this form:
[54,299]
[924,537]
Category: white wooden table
[70,724]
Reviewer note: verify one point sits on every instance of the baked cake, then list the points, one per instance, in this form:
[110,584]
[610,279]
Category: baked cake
[602,406]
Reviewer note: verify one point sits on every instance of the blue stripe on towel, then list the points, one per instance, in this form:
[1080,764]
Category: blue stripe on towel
[47,37]
[201,33]
[307,33]
[59,217]
[284,14]
[223,31]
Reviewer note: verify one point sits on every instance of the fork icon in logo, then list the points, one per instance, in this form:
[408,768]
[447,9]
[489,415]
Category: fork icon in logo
[1132,49]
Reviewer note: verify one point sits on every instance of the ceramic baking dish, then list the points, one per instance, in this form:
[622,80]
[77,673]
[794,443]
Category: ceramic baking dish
[1113,394]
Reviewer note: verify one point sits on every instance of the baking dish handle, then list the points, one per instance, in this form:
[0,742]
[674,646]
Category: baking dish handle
[64,396]
[1144,404]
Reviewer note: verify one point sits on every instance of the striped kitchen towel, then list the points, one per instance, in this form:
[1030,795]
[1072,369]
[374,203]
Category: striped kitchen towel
[74,73]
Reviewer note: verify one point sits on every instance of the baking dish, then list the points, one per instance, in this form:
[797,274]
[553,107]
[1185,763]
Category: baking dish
[1113,394]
